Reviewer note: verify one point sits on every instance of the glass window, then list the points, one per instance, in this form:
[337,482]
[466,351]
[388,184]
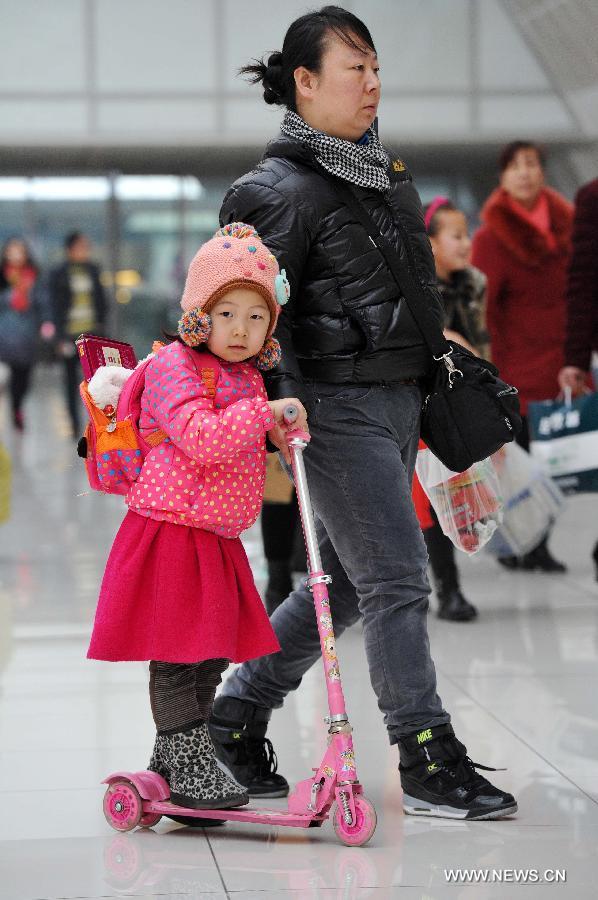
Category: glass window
[144,228]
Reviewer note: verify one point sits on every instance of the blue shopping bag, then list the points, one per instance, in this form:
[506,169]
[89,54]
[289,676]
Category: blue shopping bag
[564,438]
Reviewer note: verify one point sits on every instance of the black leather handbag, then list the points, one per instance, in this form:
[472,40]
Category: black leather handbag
[468,413]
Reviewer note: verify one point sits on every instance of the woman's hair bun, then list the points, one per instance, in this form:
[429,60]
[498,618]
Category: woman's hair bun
[271,75]
[275,60]
[272,80]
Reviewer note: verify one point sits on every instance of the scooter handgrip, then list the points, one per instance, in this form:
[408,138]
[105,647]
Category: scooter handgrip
[290,414]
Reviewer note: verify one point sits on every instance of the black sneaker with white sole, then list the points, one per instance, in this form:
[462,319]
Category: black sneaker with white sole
[439,779]
[238,730]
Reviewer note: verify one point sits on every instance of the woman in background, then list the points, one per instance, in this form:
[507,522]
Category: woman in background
[22,316]
[523,248]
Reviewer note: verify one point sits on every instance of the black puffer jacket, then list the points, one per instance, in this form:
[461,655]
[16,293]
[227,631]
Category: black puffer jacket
[345,321]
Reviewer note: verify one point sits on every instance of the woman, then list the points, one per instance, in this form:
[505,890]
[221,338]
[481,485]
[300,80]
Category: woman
[463,290]
[523,248]
[352,353]
[22,311]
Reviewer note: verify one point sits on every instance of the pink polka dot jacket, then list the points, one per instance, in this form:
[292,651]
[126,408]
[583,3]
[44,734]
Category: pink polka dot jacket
[209,471]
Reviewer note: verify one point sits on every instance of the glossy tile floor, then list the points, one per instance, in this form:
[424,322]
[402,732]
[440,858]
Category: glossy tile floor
[520,683]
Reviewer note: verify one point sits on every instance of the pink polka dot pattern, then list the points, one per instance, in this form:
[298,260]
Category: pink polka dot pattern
[209,473]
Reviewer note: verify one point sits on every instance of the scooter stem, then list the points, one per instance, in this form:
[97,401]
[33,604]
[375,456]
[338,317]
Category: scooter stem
[297,445]
[317,582]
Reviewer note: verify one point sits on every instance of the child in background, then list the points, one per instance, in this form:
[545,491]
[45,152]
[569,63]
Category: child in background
[178,589]
[463,292]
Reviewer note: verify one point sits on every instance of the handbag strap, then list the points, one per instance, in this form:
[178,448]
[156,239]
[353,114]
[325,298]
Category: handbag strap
[407,284]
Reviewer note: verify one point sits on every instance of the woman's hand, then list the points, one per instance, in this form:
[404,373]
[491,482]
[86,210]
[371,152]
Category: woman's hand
[573,378]
[47,330]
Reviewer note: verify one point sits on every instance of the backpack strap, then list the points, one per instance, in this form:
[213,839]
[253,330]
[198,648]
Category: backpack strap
[206,367]
[208,376]
[154,438]
[129,407]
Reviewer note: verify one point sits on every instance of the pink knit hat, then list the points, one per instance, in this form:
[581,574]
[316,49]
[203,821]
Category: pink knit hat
[234,257]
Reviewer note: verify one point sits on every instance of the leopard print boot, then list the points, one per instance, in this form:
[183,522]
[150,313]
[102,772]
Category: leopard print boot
[156,763]
[196,780]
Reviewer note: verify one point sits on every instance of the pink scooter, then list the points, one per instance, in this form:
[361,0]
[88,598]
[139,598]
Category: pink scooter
[142,798]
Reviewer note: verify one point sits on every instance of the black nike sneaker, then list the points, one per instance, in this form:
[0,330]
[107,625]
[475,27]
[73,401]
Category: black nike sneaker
[238,730]
[439,779]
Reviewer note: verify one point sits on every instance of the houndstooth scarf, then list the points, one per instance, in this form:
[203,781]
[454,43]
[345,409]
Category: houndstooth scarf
[362,164]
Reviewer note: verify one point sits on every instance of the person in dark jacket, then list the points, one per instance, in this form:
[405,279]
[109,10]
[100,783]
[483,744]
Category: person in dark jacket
[78,305]
[523,249]
[582,298]
[23,318]
[581,335]
[353,354]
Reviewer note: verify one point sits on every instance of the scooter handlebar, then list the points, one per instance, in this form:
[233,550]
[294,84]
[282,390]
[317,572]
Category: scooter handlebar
[290,415]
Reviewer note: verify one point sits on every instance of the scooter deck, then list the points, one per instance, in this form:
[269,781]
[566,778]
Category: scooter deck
[253,814]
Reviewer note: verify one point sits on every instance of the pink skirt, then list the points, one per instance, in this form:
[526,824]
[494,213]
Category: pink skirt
[178,594]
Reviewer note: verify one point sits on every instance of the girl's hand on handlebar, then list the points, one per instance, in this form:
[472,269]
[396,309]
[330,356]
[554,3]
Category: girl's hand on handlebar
[278,407]
[278,434]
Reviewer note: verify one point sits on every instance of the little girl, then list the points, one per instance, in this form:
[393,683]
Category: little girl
[463,287]
[178,589]
[463,290]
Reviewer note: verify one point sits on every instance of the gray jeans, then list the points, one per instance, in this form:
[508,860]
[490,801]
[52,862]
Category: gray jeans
[359,467]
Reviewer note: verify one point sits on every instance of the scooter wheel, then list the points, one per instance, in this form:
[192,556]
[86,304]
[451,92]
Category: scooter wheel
[148,820]
[123,808]
[363,827]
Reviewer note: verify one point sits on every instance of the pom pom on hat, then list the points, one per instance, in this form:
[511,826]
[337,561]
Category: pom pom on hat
[237,230]
[194,327]
[269,356]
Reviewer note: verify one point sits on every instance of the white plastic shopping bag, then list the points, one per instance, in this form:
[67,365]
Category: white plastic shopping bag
[467,504]
[531,501]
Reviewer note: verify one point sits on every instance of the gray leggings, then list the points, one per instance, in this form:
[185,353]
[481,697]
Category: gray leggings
[182,695]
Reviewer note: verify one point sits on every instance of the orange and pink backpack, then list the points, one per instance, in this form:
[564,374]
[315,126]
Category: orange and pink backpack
[112,446]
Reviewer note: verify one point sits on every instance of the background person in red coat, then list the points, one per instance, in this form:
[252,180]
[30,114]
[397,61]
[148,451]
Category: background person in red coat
[523,248]
[582,298]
